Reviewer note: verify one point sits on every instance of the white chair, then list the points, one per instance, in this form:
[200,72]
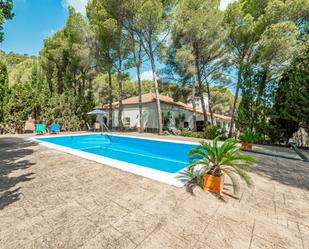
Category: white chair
[96,126]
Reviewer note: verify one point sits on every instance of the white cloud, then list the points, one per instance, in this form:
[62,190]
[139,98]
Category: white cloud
[79,5]
[48,33]
[147,75]
[225,3]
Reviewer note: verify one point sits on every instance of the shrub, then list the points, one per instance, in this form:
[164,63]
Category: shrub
[249,137]
[165,133]
[175,131]
[188,133]
[212,131]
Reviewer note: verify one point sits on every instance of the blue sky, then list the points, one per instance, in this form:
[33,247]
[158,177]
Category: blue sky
[35,20]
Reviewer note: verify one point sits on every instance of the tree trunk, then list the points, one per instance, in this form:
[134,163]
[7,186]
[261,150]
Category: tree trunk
[235,102]
[193,104]
[155,83]
[120,107]
[110,99]
[200,84]
[209,103]
[140,107]
[137,62]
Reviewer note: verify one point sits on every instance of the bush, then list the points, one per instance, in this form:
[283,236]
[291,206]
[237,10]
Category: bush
[188,133]
[165,133]
[213,131]
[175,131]
[249,136]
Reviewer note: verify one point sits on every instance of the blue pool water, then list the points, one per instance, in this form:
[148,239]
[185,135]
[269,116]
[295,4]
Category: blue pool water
[165,156]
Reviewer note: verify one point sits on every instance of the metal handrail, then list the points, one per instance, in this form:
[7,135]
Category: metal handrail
[108,130]
[298,151]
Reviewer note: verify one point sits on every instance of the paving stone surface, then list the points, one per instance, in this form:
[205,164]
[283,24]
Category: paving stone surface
[50,199]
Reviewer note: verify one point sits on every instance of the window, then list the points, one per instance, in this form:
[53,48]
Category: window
[127,121]
[185,124]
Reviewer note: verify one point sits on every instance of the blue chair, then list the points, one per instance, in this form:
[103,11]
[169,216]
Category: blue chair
[54,128]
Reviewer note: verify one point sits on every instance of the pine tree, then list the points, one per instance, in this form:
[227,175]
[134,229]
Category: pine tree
[4,89]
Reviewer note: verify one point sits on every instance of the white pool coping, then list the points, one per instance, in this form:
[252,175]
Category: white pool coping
[161,176]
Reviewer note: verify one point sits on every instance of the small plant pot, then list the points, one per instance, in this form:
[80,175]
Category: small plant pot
[246,145]
[213,183]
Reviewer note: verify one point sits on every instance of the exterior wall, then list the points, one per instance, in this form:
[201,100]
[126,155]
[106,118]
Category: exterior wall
[149,117]
[223,123]
[131,112]
[175,112]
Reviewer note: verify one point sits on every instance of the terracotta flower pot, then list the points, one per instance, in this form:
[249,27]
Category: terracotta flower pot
[246,145]
[213,183]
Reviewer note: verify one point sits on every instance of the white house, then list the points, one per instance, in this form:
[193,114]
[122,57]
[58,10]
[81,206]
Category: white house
[175,110]
[198,102]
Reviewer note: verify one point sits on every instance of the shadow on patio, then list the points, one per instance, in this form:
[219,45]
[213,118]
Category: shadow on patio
[13,168]
[286,171]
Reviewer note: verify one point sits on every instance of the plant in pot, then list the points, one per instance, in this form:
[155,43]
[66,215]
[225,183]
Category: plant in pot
[248,138]
[210,163]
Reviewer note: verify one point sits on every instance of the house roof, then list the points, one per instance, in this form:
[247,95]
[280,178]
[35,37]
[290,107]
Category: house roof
[151,97]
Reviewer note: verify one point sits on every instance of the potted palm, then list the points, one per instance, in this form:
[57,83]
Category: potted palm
[247,139]
[210,163]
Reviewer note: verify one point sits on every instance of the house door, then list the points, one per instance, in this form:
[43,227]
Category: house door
[199,125]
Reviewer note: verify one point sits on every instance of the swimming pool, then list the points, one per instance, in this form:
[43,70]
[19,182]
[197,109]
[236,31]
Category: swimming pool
[154,158]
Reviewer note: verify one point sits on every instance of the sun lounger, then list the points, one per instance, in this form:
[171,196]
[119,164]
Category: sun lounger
[39,129]
[54,128]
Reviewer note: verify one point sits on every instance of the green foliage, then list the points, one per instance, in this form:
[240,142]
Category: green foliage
[262,39]
[213,131]
[86,63]
[188,133]
[179,119]
[21,73]
[12,59]
[221,99]
[6,7]
[198,36]
[166,119]
[4,88]
[60,109]
[249,137]
[214,159]
[165,133]
[19,105]
[291,99]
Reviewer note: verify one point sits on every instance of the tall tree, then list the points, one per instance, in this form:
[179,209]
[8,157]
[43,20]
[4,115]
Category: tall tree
[67,61]
[6,13]
[149,20]
[291,98]
[99,21]
[137,60]
[240,41]
[184,63]
[261,36]
[19,106]
[199,26]
[4,88]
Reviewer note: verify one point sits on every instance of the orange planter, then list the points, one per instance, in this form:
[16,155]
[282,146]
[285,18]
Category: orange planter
[213,183]
[246,145]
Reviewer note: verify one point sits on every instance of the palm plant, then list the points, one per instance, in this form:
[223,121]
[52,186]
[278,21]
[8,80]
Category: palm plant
[249,137]
[213,159]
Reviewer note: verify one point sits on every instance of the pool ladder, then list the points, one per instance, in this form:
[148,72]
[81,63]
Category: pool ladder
[108,130]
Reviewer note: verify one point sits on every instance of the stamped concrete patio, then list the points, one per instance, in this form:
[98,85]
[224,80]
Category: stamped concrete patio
[49,199]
